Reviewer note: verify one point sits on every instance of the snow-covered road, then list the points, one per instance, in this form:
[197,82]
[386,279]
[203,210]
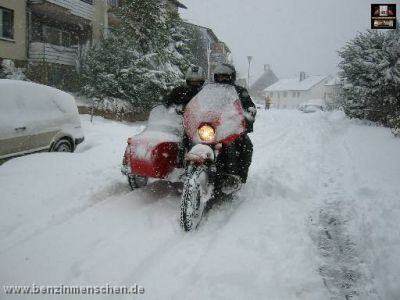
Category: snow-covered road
[318,218]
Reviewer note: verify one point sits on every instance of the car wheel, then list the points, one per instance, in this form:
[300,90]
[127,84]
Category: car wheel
[63,146]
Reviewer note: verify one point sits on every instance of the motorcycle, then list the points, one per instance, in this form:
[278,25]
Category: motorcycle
[212,120]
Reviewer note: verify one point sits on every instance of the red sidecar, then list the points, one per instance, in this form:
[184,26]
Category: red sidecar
[153,153]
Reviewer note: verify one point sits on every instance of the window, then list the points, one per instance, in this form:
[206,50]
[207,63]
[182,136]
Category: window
[284,94]
[65,39]
[51,35]
[294,94]
[88,1]
[55,36]
[6,23]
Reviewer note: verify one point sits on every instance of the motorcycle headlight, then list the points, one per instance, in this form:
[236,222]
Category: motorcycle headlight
[206,133]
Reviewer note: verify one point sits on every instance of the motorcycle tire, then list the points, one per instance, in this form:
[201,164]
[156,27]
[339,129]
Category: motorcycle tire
[192,206]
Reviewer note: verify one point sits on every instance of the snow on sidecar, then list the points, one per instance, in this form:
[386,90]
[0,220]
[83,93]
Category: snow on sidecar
[153,153]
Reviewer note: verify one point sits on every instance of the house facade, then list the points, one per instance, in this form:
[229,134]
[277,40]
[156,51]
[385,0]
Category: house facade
[332,92]
[13,30]
[208,49]
[49,37]
[219,53]
[292,92]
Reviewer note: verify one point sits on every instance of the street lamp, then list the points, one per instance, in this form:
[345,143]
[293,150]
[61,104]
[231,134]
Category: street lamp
[249,58]
[209,64]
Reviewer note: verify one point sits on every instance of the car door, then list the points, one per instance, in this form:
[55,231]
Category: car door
[14,133]
[44,120]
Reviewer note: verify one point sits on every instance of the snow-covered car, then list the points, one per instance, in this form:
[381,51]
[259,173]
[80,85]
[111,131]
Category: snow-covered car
[35,117]
[313,106]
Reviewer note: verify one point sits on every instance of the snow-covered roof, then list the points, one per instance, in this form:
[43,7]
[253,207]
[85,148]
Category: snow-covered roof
[294,84]
[206,29]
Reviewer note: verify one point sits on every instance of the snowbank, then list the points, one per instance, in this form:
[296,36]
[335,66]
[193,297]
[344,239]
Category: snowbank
[318,218]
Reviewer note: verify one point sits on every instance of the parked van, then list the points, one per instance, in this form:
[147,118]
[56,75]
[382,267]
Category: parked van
[35,117]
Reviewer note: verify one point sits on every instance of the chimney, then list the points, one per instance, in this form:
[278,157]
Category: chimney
[302,76]
[266,67]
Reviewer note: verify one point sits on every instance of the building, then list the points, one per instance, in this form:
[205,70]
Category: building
[292,92]
[13,33]
[332,92]
[265,80]
[208,49]
[49,37]
[219,53]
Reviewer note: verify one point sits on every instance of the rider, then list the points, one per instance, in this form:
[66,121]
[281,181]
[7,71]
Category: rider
[181,95]
[226,74]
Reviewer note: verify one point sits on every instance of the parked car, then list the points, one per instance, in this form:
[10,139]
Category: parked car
[313,105]
[35,117]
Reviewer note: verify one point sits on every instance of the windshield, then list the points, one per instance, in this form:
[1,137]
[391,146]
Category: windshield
[218,105]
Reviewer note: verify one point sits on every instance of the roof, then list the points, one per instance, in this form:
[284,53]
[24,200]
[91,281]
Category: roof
[265,80]
[208,30]
[294,84]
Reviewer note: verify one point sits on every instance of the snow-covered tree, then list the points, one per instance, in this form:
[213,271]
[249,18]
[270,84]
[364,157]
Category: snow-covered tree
[371,70]
[140,58]
[179,52]
[9,71]
[393,74]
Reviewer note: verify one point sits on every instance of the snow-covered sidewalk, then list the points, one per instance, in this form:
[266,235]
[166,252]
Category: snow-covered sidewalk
[318,218]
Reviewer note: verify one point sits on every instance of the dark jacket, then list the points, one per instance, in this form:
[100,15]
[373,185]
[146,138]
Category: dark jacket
[181,95]
[248,106]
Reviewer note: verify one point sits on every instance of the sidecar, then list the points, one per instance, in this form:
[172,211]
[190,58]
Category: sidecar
[154,152]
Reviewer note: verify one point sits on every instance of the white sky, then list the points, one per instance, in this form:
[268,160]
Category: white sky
[290,35]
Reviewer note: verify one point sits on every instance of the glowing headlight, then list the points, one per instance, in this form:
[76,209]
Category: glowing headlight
[206,133]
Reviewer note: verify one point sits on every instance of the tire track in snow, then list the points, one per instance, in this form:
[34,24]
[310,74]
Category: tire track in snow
[182,252]
[342,268]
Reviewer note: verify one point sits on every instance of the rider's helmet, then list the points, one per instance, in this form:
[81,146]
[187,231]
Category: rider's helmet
[195,76]
[225,73]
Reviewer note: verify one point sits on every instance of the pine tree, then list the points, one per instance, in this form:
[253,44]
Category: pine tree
[371,69]
[393,76]
[140,58]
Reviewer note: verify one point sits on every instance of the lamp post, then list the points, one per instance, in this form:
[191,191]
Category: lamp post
[249,58]
[209,64]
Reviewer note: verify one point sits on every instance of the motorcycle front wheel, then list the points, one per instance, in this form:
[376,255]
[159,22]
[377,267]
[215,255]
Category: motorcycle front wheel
[192,204]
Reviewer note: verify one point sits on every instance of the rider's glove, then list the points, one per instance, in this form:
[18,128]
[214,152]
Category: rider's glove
[179,109]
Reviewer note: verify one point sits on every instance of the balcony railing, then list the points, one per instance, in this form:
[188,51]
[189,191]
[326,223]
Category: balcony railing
[48,53]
